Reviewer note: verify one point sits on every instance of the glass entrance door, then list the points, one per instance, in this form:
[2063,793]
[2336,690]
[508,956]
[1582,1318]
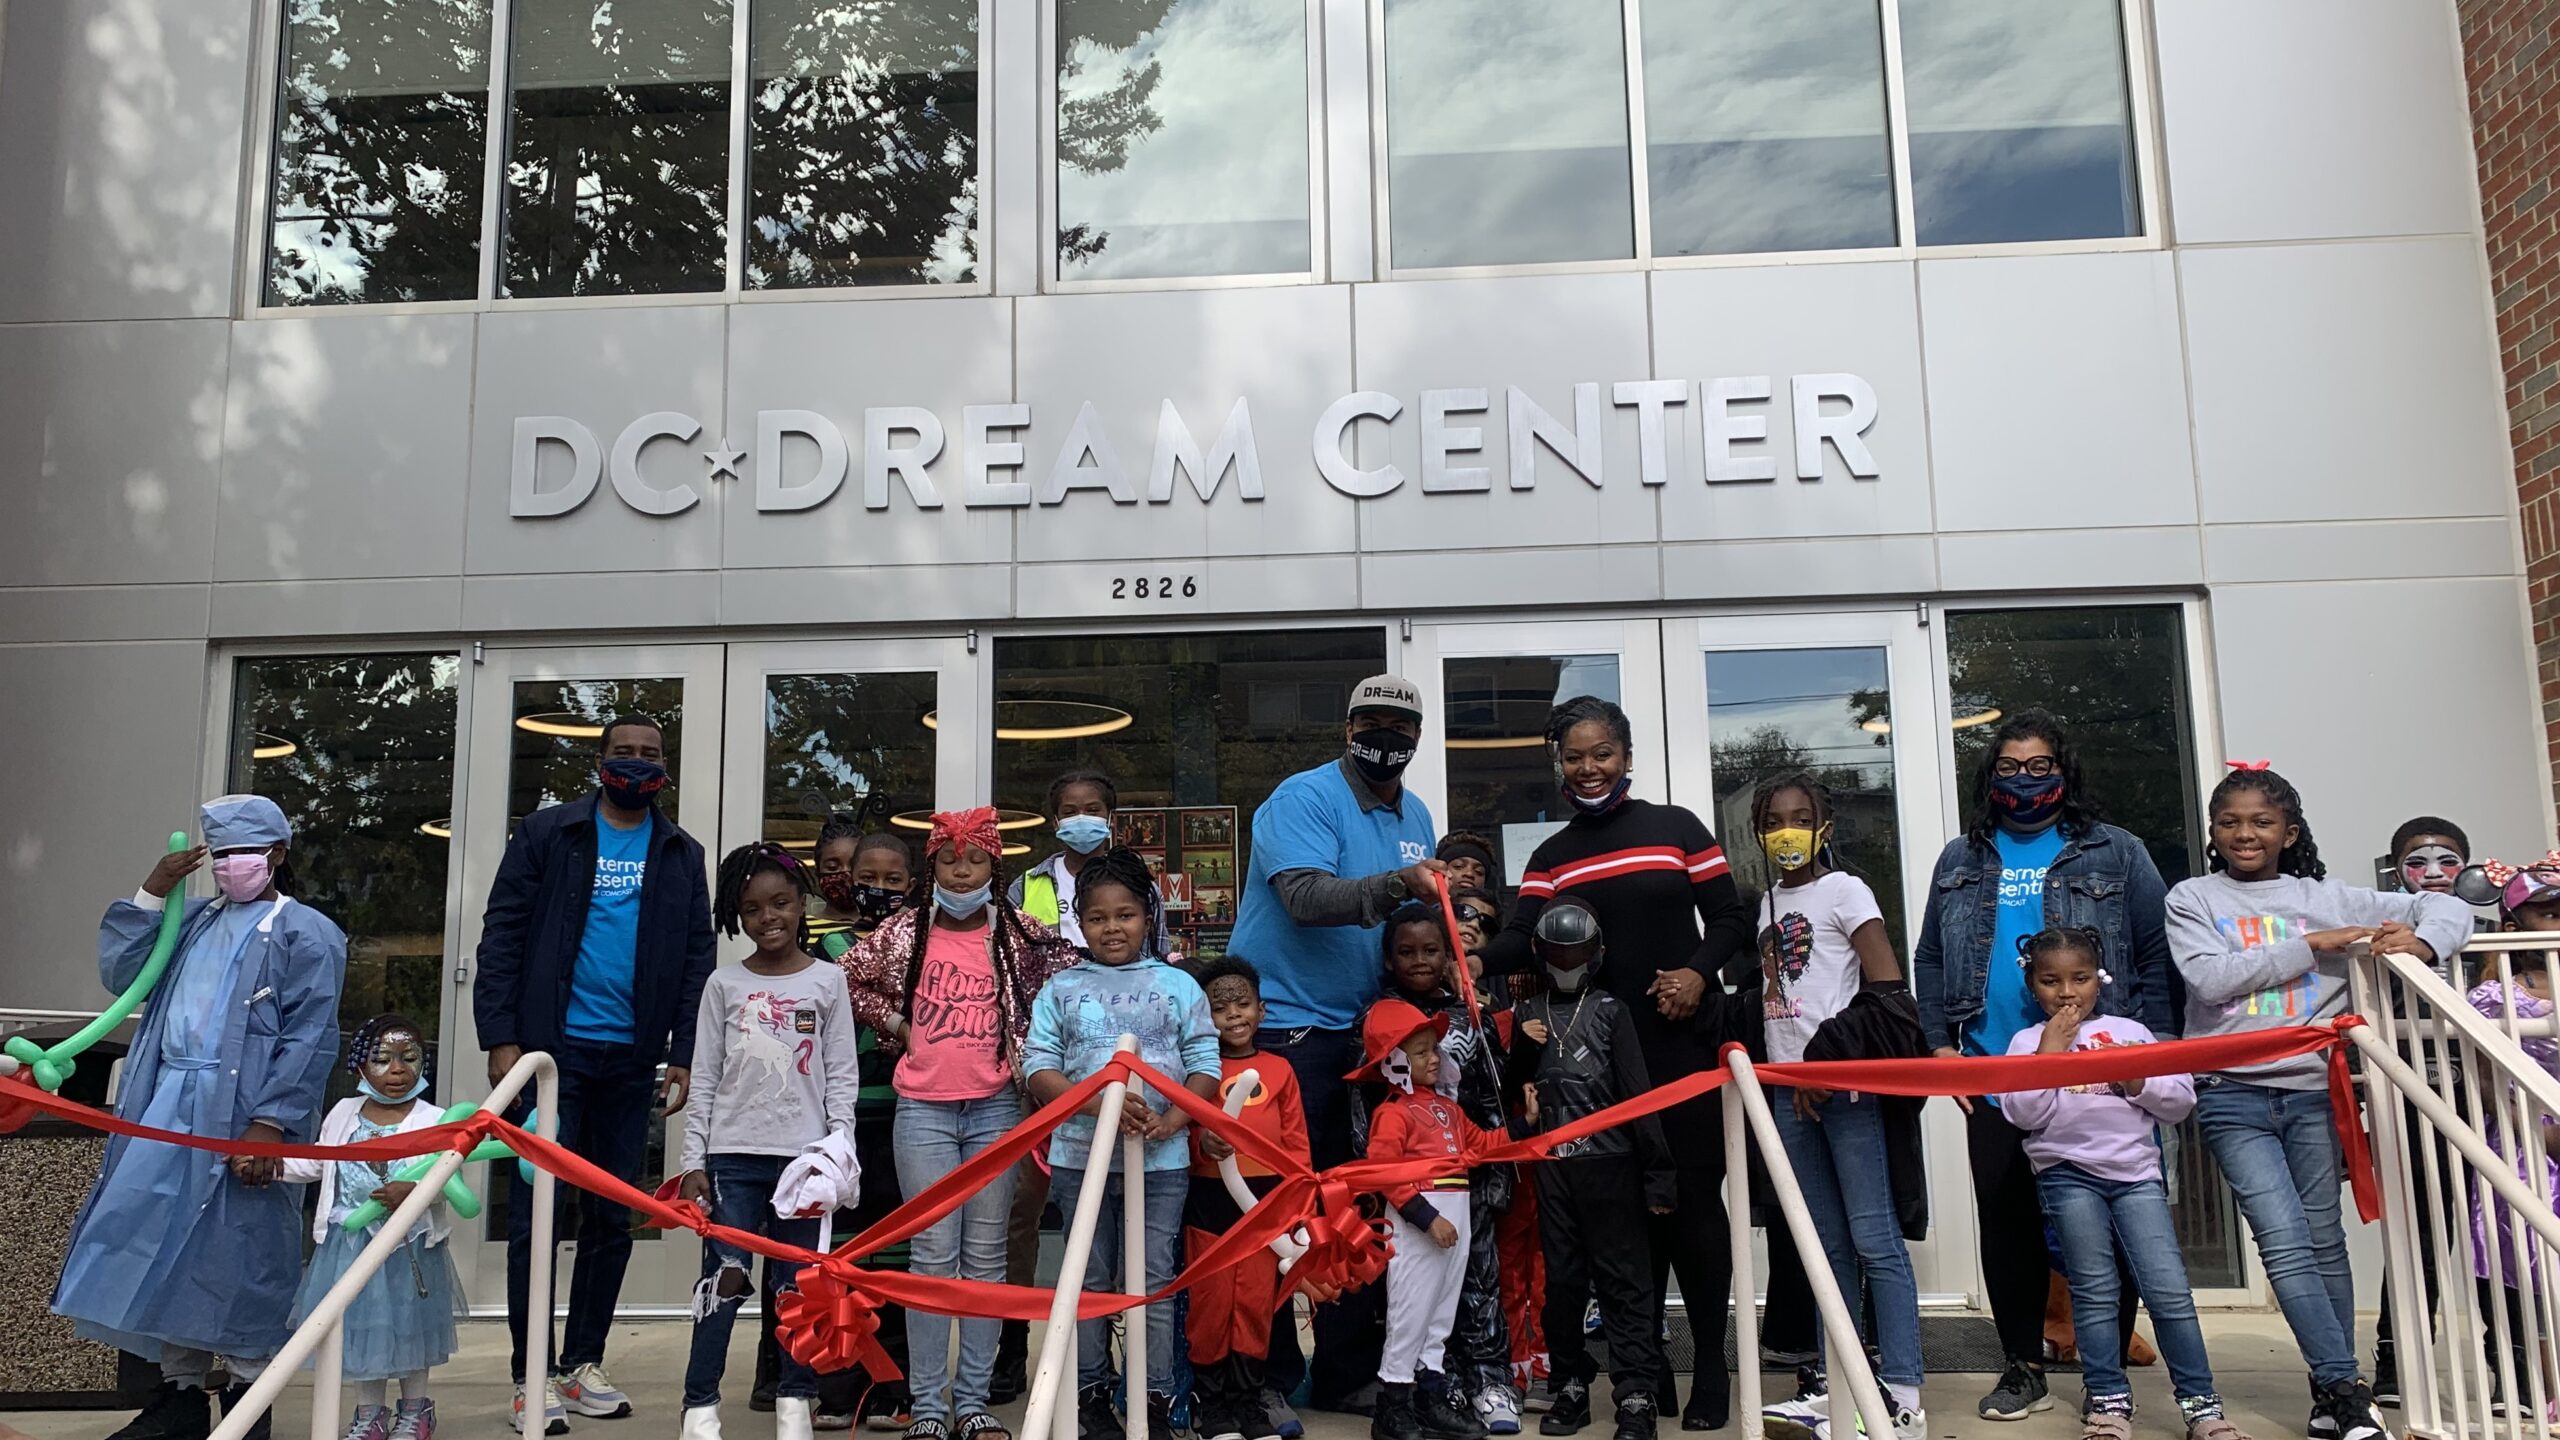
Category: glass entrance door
[537,716]
[1847,698]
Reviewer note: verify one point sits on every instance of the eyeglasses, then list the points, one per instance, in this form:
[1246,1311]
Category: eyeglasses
[2040,766]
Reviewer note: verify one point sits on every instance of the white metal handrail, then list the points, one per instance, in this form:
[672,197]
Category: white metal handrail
[2456,1106]
[1052,1411]
[323,1332]
[1846,1353]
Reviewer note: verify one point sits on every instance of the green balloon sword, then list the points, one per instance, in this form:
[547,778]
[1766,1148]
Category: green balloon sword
[53,1064]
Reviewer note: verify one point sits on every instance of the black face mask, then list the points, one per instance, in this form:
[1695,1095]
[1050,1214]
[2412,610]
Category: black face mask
[1380,753]
[630,782]
[874,903]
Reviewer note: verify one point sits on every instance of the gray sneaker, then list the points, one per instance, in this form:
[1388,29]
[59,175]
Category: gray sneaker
[2021,1392]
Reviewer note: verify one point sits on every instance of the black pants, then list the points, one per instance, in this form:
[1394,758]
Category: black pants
[1351,1333]
[1790,1324]
[1694,1243]
[608,1101]
[1592,1224]
[2017,1275]
[1480,1343]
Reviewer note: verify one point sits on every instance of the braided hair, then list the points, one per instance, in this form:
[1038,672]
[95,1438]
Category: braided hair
[2063,939]
[1127,869]
[368,1037]
[2302,857]
[744,864]
[1766,793]
[1008,944]
[1582,708]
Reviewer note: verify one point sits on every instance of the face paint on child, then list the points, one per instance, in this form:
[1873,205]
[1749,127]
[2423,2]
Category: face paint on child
[1236,1010]
[2429,863]
[396,1071]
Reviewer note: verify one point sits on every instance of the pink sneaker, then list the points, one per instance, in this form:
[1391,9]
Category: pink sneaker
[414,1420]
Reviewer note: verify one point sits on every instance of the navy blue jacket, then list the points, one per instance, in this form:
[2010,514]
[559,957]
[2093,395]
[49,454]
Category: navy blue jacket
[2103,879]
[537,916]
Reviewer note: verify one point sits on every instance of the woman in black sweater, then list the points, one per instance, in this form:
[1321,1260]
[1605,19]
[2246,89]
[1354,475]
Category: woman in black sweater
[1675,928]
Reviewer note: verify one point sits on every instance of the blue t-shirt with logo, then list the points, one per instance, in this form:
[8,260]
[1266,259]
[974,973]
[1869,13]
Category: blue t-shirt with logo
[2007,1005]
[1321,975]
[600,1001]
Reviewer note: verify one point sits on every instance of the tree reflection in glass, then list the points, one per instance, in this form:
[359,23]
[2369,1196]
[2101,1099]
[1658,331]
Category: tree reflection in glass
[381,138]
[1826,711]
[1182,138]
[845,744]
[618,155]
[358,750]
[863,132]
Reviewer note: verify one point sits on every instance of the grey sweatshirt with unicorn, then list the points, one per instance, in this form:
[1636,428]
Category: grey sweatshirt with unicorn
[2239,946]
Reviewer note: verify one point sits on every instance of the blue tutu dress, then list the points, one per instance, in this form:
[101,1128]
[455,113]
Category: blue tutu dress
[402,1321]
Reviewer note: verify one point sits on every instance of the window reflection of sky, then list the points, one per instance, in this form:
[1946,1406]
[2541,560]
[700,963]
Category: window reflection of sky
[1808,696]
[1765,126]
[1219,185]
[1507,132]
[2020,125]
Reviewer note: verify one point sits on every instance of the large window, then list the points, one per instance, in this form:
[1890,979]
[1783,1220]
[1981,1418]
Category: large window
[1196,730]
[358,750]
[1514,133]
[619,160]
[1182,139]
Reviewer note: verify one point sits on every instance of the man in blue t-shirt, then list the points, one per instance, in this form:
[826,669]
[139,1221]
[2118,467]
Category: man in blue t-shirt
[594,947]
[1334,850]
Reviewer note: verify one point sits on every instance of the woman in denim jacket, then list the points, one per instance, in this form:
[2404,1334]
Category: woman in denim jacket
[2034,854]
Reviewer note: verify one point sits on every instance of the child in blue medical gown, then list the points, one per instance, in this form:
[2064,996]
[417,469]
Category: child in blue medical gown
[184,1256]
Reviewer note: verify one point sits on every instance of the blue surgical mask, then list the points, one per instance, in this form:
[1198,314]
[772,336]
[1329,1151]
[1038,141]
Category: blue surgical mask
[1604,802]
[961,904]
[374,1093]
[1084,834]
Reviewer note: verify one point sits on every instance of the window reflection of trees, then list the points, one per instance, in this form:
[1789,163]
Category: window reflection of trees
[369,772]
[853,744]
[381,136]
[863,126]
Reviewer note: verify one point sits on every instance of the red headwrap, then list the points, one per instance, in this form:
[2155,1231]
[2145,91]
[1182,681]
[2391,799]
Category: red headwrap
[959,829]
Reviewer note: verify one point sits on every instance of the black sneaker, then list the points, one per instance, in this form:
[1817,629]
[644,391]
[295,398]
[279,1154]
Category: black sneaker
[1277,1417]
[1216,1420]
[2386,1379]
[2020,1393]
[1095,1417]
[1393,1417]
[1637,1418]
[1159,1417]
[174,1412]
[2322,1425]
[262,1428]
[1012,1375]
[2349,1407]
[1570,1409]
[1440,1414]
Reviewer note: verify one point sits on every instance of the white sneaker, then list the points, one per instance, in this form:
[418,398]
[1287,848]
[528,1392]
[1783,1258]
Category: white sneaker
[1499,1409]
[1806,1417]
[702,1422]
[591,1392]
[555,1415]
[792,1419]
[1912,1424]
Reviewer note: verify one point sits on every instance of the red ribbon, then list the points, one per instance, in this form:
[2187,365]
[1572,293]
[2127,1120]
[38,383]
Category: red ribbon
[968,829]
[833,1322]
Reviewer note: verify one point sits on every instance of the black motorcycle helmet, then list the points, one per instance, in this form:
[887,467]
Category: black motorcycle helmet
[1567,939]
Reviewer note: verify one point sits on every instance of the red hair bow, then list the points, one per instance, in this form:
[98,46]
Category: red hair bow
[965,828]
[828,1324]
[2250,764]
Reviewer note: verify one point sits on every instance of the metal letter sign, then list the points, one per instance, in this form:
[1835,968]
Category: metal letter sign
[802,459]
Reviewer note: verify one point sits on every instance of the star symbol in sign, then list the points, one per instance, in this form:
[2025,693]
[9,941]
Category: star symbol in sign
[724,461]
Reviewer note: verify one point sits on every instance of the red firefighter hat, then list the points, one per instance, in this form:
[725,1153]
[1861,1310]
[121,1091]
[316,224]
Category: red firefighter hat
[1387,1025]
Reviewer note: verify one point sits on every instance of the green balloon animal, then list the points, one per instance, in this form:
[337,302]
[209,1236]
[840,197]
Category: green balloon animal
[456,1194]
[53,1064]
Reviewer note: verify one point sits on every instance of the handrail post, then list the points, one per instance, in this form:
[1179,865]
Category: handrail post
[1746,1282]
[320,1329]
[538,1272]
[1133,1271]
[1055,1378]
[328,1372]
[1845,1355]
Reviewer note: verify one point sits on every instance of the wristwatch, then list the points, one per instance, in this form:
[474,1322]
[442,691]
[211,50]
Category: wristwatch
[1397,889]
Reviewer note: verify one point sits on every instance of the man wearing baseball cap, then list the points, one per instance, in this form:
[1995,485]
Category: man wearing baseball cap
[1335,849]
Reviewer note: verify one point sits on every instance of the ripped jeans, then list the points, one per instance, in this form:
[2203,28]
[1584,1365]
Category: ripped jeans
[742,1199]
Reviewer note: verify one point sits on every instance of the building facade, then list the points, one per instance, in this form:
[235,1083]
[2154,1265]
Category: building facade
[913,399]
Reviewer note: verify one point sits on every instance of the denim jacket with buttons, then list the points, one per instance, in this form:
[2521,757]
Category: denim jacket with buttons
[2103,879]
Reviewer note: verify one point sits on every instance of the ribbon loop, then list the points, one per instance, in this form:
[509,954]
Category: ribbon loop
[829,1325]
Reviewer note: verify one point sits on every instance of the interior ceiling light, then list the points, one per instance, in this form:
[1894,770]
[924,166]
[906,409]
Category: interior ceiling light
[1960,722]
[441,829]
[1005,820]
[263,746]
[1050,719]
[567,724]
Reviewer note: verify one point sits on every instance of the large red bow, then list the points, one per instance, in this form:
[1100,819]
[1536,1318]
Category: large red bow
[967,829]
[1345,1249]
[829,1325]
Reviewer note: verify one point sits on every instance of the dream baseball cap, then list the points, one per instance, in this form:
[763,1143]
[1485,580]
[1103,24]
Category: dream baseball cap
[1387,692]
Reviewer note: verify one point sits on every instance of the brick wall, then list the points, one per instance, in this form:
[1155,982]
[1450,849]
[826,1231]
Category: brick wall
[2511,49]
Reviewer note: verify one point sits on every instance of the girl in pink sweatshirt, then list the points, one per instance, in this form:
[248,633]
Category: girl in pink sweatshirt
[2096,1150]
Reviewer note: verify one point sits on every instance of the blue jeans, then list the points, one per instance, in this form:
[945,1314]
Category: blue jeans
[2279,1150]
[1166,1191]
[2091,1215]
[933,1138]
[608,1101]
[742,1199]
[1839,1160]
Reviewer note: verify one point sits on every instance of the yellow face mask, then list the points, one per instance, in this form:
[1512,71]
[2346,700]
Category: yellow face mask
[1793,847]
